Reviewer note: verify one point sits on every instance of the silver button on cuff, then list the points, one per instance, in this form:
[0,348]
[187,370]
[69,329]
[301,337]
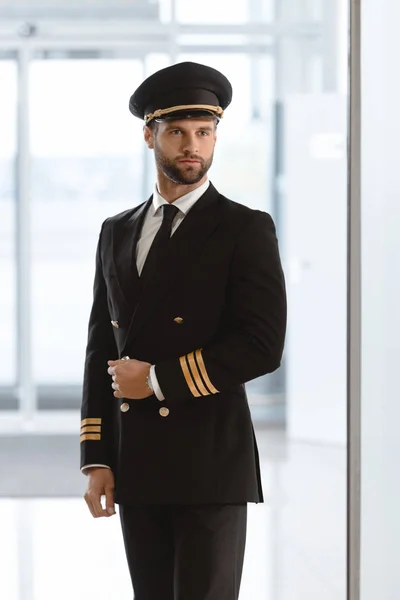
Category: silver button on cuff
[164,411]
[124,407]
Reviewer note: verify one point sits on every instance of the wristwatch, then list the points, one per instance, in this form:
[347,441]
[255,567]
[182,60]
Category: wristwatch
[149,384]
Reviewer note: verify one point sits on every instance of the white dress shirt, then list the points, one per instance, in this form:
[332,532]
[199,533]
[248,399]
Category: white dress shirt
[152,223]
[153,219]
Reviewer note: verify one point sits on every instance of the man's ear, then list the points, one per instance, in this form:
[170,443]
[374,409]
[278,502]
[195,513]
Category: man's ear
[148,137]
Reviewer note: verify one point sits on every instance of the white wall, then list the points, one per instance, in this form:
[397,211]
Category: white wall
[314,249]
[380,473]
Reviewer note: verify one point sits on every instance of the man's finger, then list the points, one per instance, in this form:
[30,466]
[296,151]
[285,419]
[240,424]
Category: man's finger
[113,370]
[115,363]
[95,498]
[110,508]
[115,386]
[118,395]
[90,505]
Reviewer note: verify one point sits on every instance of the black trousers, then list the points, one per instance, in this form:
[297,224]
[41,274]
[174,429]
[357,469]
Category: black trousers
[185,552]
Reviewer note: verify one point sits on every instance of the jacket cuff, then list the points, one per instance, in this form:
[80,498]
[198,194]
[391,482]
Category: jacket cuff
[83,469]
[155,384]
[186,377]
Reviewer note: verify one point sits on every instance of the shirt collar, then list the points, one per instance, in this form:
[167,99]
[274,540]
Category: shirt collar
[184,203]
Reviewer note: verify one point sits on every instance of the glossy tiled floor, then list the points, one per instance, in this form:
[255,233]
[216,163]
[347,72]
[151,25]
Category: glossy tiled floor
[53,549]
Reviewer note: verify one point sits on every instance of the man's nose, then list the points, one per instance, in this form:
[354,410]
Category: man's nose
[190,144]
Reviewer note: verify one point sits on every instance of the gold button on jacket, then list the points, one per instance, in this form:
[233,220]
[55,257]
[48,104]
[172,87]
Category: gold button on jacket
[124,407]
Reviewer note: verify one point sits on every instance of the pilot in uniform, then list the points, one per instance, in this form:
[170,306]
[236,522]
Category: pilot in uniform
[189,301]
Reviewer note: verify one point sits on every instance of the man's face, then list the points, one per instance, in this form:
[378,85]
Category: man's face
[183,149]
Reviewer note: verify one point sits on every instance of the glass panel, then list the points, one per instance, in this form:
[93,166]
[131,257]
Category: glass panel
[310,191]
[8,105]
[211,39]
[267,10]
[209,11]
[244,140]
[10,555]
[153,62]
[90,9]
[244,146]
[87,165]
[301,10]
[282,148]
[156,61]
[314,9]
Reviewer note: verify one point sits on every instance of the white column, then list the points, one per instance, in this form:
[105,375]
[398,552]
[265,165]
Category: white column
[380,401]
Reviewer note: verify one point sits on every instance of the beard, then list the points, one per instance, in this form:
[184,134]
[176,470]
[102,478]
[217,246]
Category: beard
[182,174]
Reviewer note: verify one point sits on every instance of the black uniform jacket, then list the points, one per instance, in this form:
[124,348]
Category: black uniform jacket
[211,319]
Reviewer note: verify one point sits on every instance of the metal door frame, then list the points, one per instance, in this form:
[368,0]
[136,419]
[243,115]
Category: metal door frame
[354,309]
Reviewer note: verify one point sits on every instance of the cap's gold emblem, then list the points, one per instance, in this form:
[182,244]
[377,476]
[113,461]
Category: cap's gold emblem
[178,320]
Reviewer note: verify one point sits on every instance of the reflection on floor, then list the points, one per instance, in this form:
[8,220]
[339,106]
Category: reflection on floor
[52,548]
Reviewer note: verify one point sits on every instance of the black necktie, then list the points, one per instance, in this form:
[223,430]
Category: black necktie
[160,242]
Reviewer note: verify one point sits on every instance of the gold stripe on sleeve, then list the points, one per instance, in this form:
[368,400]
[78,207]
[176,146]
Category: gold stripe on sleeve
[188,377]
[196,375]
[90,422]
[90,436]
[203,370]
[91,429]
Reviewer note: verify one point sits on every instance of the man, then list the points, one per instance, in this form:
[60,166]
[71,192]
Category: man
[189,304]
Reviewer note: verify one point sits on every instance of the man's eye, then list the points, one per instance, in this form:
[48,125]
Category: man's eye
[175,131]
[204,133]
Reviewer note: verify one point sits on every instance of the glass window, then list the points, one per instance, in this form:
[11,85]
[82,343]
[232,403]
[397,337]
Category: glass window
[242,168]
[267,9]
[241,164]
[217,13]
[315,9]
[87,165]
[211,39]
[156,61]
[209,11]
[10,555]
[301,10]
[8,104]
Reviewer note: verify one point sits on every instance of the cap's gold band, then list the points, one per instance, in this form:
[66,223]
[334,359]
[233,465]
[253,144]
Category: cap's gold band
[165,111]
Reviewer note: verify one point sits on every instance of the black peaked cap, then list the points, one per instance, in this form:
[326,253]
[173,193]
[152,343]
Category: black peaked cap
[186,85]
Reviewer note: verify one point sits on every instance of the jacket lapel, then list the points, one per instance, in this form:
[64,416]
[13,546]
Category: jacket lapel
[125,237]
[185,245]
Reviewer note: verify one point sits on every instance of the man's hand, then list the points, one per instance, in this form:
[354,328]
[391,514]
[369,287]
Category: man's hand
[129,378]
[101,483]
